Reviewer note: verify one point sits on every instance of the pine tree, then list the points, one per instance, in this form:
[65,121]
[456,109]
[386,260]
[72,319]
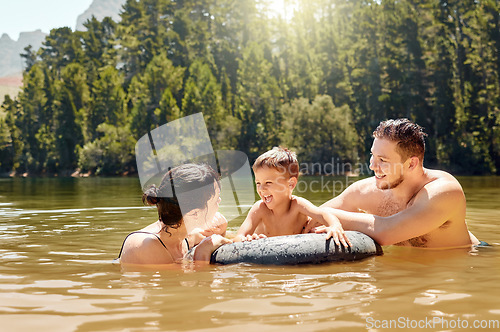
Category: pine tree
[147,91]
[107,101]
[258,101]
[70,123]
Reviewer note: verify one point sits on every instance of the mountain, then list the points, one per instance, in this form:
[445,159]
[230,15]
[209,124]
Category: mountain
[11,63]
[100,9]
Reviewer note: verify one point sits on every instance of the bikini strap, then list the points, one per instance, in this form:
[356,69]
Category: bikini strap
[142,232]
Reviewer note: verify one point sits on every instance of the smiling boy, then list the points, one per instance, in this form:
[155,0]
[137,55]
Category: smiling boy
[279,212]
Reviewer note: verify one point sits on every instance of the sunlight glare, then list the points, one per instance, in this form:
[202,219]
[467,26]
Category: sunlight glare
[283,8]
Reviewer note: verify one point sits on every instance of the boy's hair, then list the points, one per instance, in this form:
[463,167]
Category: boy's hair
[410,137]
[280,158]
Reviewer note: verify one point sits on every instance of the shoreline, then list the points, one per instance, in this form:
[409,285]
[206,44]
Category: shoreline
[63,174]
[77,174]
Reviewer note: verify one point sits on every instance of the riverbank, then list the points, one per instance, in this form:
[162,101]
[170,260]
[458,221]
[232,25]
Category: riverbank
[64,174]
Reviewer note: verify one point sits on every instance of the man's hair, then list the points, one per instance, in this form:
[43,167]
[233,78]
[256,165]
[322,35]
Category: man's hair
[410,137]
[280,158]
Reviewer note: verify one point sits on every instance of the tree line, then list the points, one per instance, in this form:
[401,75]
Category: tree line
[318,80]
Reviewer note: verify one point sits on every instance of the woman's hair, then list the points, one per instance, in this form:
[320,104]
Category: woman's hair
[182,189]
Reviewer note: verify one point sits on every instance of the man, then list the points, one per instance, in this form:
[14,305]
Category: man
[404,203]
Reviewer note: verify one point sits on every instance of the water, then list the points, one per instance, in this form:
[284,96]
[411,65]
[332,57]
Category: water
[58,238]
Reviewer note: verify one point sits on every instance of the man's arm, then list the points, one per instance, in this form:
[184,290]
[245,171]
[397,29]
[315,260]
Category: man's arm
[323,216]
[435,204]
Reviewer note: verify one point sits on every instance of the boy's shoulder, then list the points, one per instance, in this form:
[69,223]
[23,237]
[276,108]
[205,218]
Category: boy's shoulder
[299,200]
[300,204]
[259,207]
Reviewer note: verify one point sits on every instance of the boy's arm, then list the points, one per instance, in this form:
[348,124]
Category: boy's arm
[322,215]
[253,219]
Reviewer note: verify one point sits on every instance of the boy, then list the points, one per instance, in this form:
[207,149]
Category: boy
[279,212]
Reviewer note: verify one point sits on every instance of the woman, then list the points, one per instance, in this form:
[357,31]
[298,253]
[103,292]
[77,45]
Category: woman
[187,219]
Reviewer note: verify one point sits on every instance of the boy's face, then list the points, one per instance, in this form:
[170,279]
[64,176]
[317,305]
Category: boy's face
[273,186]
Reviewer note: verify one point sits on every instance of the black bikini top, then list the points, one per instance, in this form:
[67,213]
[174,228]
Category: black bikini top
[143,232]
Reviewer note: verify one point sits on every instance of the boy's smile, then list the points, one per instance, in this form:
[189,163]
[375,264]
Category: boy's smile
[267,199]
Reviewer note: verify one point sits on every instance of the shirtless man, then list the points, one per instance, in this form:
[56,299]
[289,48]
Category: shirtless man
[404,203]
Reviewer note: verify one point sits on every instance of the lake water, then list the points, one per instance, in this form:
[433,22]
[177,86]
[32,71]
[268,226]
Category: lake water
[58,238]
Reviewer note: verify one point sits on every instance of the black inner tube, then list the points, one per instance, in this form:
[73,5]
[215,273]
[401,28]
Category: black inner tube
[296,249]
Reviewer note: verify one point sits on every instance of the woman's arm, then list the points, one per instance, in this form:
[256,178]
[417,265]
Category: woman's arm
[219,224]
[204,250]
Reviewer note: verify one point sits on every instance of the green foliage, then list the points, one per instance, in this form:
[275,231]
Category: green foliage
[107,101]
[72,95]
[6,151]
[110,154]
[15,148]
[28,119]
[318,81]
[258,100]
[319,131]
[148,90]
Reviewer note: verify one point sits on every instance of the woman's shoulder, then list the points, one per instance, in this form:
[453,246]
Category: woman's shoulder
[143,247]
[151,228]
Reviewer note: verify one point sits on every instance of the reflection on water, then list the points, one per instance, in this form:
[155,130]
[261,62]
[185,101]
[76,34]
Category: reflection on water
[59,237]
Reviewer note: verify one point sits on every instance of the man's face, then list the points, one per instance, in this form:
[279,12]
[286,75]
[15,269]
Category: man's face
[387,164]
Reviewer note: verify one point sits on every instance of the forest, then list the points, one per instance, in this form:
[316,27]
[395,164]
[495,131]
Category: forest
[317,79]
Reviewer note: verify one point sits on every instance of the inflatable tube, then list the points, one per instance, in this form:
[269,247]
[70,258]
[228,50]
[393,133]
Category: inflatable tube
[296,249]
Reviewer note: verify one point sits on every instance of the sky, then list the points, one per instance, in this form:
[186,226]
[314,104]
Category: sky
[29,15]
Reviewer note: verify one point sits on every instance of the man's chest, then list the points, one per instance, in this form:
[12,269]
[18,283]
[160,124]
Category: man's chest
[382,205]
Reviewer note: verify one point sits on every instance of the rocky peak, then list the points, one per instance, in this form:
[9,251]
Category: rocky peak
[5,38]
[100,9]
